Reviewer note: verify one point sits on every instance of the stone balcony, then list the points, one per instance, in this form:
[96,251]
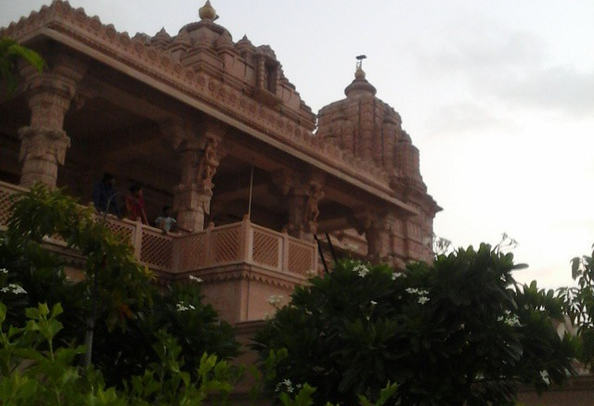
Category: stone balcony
[241,265]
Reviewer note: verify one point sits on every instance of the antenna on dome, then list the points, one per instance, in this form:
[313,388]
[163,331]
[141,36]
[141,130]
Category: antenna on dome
[360,60]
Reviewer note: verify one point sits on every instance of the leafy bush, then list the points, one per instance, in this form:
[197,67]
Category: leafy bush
[580,306]
[459,331]
[130,309]
[33,371]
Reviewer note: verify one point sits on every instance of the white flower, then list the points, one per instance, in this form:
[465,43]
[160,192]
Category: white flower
[373,302]
[423,299]
[510,319]
[361,269]
[288,384]
[14,289]
[397,275]
[513,321]
[3,270]
[544,375]
[412,290]
[181,307]
[195,279]
[191,307]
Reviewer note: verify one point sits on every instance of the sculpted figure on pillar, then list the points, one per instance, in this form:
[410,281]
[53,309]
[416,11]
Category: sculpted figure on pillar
[312,211]
[303,194]
[44,142]
[200,151]
[209,162]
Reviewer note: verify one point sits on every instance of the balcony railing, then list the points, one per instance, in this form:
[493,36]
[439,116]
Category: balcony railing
[237,243]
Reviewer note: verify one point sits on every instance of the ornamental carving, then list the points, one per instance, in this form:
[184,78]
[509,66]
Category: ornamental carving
[208,164]
[39,143]
[312,210]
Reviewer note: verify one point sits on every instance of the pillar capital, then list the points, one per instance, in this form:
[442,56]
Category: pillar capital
[44,142]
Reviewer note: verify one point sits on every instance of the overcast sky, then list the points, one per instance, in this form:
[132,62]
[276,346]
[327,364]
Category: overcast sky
[497,95]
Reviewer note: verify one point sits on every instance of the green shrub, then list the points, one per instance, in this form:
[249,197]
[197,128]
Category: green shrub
[459,331]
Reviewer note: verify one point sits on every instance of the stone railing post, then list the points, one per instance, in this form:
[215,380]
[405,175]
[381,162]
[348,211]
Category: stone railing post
[137,240]
[285,253]
[246,249]
[209,245]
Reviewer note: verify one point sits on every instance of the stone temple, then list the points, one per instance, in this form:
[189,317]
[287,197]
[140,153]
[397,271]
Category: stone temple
[265,188]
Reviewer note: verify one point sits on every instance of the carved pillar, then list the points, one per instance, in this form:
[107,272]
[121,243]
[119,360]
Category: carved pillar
[200,152]
[377,232]
[297,202]
[44,142]
[302,199]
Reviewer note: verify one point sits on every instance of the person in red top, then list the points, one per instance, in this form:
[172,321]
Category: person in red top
[135,205]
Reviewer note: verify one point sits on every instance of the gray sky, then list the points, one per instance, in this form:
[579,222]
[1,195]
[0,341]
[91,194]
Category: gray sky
[497,95]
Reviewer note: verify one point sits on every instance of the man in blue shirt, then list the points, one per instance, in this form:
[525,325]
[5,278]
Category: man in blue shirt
[104,193]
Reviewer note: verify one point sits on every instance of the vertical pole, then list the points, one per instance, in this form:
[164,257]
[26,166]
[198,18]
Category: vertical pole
[251,192]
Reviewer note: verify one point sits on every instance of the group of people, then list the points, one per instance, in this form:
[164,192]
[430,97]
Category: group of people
[105,201]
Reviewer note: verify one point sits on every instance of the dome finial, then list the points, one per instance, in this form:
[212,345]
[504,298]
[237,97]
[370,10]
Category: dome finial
[207,12]
[359,73]
[360,85]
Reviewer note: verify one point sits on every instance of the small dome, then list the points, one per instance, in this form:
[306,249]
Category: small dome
[161,39]
[225,41]
[183,39]
[360,86]
[245,44]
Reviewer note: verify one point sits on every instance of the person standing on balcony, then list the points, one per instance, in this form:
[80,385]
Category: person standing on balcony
[104,195]
[135,205]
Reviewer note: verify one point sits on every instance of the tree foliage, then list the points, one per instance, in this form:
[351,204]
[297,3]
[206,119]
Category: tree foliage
[35,370]
[130,309]
[459,331]
[10,54]
[580,306]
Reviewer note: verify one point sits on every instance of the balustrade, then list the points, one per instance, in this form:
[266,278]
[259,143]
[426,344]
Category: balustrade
[236,243]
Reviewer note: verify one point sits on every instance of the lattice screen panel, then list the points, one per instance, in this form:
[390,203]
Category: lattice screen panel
[266,248]
[300,258]
[4,206]
[156,250]
[225,245]
[192,252]
[123,229]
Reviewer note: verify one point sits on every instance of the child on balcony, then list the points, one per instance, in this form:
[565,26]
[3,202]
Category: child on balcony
[135,205]
[166,222]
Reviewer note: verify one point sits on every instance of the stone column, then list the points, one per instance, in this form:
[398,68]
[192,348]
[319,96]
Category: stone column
[44,142]
[200,153]
[302,198]
[297,203]
[377,232]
